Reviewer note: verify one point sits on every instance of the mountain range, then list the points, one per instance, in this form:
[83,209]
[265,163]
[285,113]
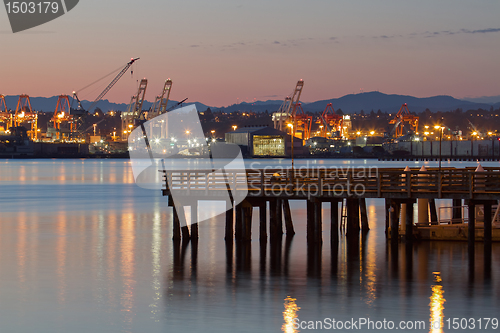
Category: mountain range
[352,103]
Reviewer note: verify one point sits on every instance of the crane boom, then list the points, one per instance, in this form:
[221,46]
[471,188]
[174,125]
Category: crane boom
[288,108]
[108,88]
[160,105]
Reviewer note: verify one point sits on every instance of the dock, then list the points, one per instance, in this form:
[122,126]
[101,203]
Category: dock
[272,189]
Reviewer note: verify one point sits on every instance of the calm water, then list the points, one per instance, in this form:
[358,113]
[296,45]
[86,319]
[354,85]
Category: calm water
[83,249]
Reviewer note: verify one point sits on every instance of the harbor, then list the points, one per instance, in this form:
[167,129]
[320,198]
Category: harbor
[96,240]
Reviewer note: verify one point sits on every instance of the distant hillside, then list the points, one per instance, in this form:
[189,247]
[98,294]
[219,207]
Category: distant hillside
[48,104]
[391,103]
[485,99]
[349,104]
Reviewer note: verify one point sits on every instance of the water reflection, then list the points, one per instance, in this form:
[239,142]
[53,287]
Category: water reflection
[437,307]
[289,315]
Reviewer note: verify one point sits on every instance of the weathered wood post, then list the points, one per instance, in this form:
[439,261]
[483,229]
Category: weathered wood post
[288,218]
[238,227]
[387,217]
[487,239]
[176,225]
[394,221]
[229,221]
[310,220]
[279,216]
[409,221]
[334,218]
[247,221]
[423,204]
[353,217]
[457,211]
[273,227]
[318,222]
[471,237]
[432,208]
[194,220]
[263,220]
[365,227]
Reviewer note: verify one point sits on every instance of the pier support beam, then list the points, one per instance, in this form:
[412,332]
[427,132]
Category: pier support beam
[432,208]
[194,221]
[279,216]
[487,238]
[409,221]
[394,211]
[247,222]
[318,222]
[364,215]
[471,238]
[353,217]
[273,217]
[263,220]
[387,217]
[334,218]
[238,227]
[288,218]
[310,220]
[229,221]
[423,211]
[457,211]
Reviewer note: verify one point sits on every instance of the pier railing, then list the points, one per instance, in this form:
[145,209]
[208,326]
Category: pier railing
[463,183]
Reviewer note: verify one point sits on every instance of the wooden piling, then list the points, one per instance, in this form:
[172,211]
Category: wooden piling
[487,226]
[364,216]
[176,225]
[182,222]
[353,217]
[409,221]
[318,222]
[432,207]
[334,218]
[273,227]
[247,222]
[387,216]
[487,240]
[394,221]
[238,227]
[279,216]
[471,238]
[310,220]
[288,218]
[229,221]
[457,211]
[194,220]
[263,220]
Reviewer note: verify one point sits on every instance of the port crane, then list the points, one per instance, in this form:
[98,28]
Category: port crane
[402,117]
[134,115]
[287,110]
[302,123]
[331,122]
[25,114]
[160,105]
[63,124]
[107,89]
[5,115]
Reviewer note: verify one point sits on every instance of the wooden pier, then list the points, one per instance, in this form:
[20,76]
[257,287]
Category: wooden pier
[272,189]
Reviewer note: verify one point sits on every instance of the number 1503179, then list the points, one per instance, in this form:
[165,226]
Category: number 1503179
[45,7]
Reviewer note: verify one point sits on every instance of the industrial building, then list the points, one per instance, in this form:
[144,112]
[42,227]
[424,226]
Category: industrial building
[265,141]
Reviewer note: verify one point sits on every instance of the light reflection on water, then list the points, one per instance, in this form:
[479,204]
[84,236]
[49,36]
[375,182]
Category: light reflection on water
[437,307]
[94,253]
[289,315]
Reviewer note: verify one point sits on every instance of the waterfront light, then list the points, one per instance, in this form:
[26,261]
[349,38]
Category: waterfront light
[372,132]
[234,127]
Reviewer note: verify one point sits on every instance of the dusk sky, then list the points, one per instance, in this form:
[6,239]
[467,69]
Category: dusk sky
[221,52]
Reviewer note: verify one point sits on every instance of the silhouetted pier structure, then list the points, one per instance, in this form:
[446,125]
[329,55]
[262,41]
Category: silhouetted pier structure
[271,189]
